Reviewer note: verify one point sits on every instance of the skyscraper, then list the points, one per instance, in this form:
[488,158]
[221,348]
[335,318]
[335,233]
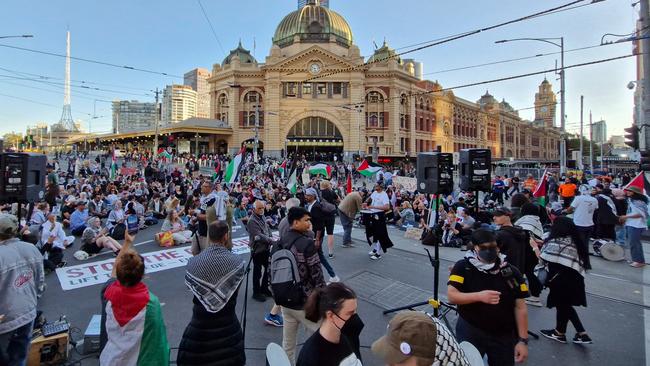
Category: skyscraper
[179,103]
[599,132]
[198,80]
[132,115]
[325,3]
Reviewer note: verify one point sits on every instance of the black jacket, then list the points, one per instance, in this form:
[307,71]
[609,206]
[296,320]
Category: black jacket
[213,339]
[514,243]
[257,226]
[317,217]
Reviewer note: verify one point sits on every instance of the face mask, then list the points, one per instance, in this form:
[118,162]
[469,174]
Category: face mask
[352,327]
[488,255]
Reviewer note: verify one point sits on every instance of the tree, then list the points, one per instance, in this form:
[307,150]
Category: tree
[12,139]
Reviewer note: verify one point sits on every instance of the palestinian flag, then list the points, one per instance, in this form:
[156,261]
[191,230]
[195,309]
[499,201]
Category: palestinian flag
[320,168]
[113,174]
[134,326]
[540,191]
[368,169]
[232,171]
[641,183]
[283,168]
[292,184]
[162,153]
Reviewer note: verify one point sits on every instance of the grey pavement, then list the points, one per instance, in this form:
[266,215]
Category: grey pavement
[614,316]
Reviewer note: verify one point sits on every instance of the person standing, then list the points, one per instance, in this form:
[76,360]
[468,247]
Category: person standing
[328,195]
[565,259]
[22,282]
[301,244]
[605,218]
[337,340]
[207,199]
[567,192]
[214,335]
[583,208]
[490,296]
[348,209]
[376,231]
[259,236]
[635,223]
[318,221]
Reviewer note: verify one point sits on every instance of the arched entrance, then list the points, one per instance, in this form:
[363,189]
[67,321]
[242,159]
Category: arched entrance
[250,144]
[316,138]
[222,147]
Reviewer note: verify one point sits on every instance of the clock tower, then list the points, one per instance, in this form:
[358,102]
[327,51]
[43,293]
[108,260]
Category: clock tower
[545,104]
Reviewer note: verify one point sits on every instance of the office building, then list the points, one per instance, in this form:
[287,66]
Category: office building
[599,132]
[179,103]
[198,80]
[131,116]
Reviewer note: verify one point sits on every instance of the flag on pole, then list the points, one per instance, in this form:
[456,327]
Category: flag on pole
[292,184]
[641,183]
[348,184]
[368,169]
[540,190]
[283,168]
[163,153]
[232,171]
[320,168]
[113,174]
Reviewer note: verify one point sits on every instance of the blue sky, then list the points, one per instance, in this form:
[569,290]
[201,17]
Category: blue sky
[172,36]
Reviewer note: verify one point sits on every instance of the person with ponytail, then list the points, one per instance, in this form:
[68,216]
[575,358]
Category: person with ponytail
[337,340]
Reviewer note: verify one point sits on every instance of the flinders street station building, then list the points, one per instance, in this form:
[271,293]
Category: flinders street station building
[315,92]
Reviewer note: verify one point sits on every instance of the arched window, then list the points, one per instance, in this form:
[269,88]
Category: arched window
[428,105]
[222,107]
[374,110]
[252,100]
[403,112]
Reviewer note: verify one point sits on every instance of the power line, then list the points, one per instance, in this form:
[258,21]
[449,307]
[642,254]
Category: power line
[36,102]
[214,33]
[454,38]
[76,86]
[91,61]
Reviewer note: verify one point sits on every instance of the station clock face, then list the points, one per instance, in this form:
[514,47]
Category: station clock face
[544,109]
[314,68]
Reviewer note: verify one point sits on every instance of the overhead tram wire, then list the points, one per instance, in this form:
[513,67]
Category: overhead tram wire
[37,102]
[454,38]
[91,61]
[45,77]
[214,33]
[519,76]
[541,14]
[76,93]
[74,86]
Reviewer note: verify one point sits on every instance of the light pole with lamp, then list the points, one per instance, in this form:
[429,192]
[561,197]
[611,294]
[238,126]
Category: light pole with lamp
[562,91]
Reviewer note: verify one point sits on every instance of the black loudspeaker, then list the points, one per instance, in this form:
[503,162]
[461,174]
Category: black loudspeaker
[435,172]
[23,177]
[475,169]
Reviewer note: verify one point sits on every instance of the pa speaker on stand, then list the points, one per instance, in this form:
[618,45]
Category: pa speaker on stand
[475,171]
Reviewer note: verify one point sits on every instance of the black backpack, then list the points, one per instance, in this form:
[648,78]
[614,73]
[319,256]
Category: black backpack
[285,281]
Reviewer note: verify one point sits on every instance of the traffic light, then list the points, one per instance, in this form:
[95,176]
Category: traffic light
[632,137]
[645,160]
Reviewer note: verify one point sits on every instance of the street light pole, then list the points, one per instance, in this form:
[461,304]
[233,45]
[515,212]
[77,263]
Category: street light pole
[20,36]
[562,96]
[157,122]
[257,125]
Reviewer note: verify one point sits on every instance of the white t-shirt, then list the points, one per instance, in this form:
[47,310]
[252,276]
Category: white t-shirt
[639,222]
[584,207]
[379,199]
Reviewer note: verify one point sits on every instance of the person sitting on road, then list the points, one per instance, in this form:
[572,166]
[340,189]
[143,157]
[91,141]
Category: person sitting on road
[94,238]
[156,207]
[405,214]
[54,241]
[78,219]
[174,224]
[115,217]
[97,207]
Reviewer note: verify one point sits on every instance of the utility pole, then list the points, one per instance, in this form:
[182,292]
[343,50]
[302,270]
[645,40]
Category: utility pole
[645,48]
[157,122]
[257,125]
[602,143]
[562,110]
[591,144]
[581,165]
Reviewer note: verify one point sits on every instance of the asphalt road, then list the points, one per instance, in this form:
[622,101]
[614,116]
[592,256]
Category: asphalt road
[614,316]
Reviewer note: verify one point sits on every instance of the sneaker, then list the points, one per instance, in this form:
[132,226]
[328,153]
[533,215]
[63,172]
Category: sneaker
[259,297]
[347,245]
[61,264]
[552,334]
[330,256]
[274,320]
[582,339]
[334,279]
[373,252]
[375,256]
[534,301]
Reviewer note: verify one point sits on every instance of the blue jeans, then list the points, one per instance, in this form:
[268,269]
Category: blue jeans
[325,263]
[620,235]
[346,222]
[634,243]
[14,346]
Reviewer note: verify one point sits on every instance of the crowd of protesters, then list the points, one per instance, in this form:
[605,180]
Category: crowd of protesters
[104,203]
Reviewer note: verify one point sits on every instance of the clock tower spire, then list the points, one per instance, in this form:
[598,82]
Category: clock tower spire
[545,104]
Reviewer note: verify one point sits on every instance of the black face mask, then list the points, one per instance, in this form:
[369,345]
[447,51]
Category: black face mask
[352,327]
[488,255]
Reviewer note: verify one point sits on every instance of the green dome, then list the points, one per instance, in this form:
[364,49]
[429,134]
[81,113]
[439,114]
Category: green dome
[384,54]
[244,55]
[313,23]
